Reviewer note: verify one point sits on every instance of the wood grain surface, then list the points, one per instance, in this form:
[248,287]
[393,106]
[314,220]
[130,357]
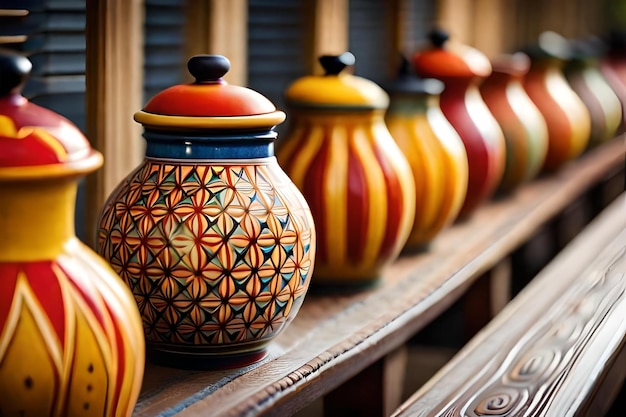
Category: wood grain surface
[549,351]
[334,337]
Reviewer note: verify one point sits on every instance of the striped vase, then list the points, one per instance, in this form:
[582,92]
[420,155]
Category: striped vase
[357,182]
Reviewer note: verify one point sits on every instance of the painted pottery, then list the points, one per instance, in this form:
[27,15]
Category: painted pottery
[213,238]
[358,183]
[70,335]
[525,130]
[584,76]
[434,150]
[613,66]
[569,124]
[462,68]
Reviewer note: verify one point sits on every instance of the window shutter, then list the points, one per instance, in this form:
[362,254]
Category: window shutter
[164,46]
[369,38]
[276,48]
[418,19]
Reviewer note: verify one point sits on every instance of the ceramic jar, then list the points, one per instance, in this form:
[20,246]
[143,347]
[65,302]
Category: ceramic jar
[71,342]
[584,76]
[525,130]
[210,234]
[461,69]
[358,183]
[568,120]
[434,150]
[613,67]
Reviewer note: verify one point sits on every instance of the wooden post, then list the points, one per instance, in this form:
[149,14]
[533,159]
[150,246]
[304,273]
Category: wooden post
[375,392]
[329,30]
[114,84]
[220,27]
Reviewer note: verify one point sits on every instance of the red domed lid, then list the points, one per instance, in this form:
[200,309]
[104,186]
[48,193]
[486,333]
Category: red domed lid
[209,102]
[32,136]
[449,59]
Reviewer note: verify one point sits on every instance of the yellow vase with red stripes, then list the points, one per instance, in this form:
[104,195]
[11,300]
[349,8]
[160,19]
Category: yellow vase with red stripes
[434,150]
[71,342]
[357,182]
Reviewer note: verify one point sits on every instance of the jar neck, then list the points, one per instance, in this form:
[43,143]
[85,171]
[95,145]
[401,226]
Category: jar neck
[209,145]
[36,219]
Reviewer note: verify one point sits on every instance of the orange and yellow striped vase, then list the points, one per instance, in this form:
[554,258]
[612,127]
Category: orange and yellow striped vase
[71,342]
[355,178]
[434,151]
[567,118]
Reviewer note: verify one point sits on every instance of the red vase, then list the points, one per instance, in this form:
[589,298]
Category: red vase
[569,124]
[524,128]
[461,69]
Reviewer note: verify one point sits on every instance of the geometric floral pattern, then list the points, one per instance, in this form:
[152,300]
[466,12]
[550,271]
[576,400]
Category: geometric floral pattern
[215,254]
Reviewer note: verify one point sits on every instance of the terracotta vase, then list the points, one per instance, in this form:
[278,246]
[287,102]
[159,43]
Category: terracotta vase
[461,69]
[359,184]
[584,76]
[568,120]
[525,130]
[613,66]
[212,237]
[434,150]
[70,335]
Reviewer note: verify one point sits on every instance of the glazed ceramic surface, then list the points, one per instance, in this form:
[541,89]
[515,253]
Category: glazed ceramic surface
[71,342]
[358,183]
[613,67]
[568,120]
[584,76]
[212,237]
[525,130]
[435,153]
[461,68]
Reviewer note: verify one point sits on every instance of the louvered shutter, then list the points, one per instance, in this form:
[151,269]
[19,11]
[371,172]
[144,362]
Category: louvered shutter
[276,48]
[369,38]
[418,19]
[164,45]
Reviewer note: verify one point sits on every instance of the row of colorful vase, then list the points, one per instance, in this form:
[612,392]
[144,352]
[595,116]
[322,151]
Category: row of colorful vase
[217,240]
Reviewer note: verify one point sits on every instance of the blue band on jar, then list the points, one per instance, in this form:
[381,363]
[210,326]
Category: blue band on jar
[189,146]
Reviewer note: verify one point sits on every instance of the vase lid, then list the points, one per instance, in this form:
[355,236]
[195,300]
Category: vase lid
[515,64]
[549,45]
[336,89]
[407,82]
[447,59]
[36,142]
[209,102]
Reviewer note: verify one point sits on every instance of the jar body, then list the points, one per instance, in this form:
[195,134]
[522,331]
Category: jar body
[438,161]
[482,137]
[524,128]
[218,253]
[360,189]
[71,331]
[605,109]
[566,116]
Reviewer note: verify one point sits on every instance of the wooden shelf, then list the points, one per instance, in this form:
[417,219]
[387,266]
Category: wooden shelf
[334,337]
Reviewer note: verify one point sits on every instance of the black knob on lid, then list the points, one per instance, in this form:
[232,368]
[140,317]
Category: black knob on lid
[334,64]
[208,68]
[14,70]
[438,37]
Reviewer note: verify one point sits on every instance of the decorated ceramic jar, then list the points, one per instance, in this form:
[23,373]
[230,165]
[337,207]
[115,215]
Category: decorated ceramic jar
[525,130]
[462,68]
[568,120]
[613,66]
[212,237]
[358,183]
[434,150]
[71,342]
[584,76]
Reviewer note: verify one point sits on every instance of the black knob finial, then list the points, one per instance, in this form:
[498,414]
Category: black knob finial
[14,70]
[208,68]
[334,64]
[438,37]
